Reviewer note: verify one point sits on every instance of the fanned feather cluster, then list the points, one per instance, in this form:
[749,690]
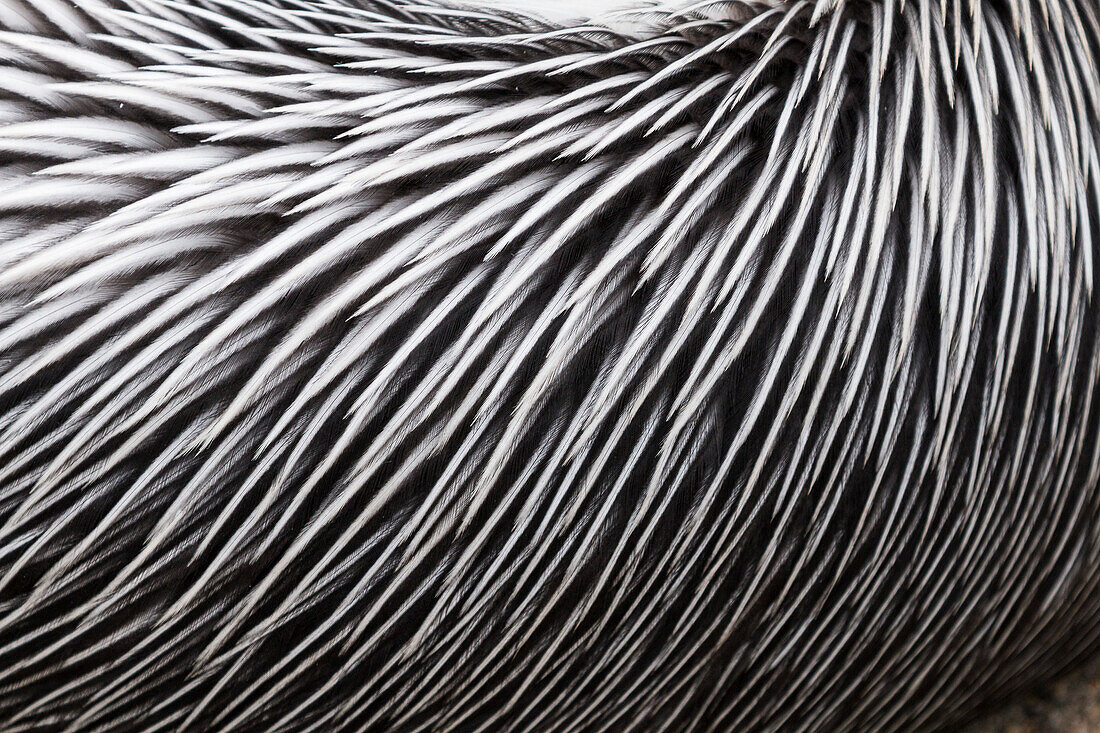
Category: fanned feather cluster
[371,365]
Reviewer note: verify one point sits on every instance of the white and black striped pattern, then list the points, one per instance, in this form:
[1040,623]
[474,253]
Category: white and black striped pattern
[409,366]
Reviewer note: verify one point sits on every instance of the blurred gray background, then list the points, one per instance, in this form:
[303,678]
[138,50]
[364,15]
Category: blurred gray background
[1070,705]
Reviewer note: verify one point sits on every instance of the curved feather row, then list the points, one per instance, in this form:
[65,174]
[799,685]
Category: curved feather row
[393,366]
